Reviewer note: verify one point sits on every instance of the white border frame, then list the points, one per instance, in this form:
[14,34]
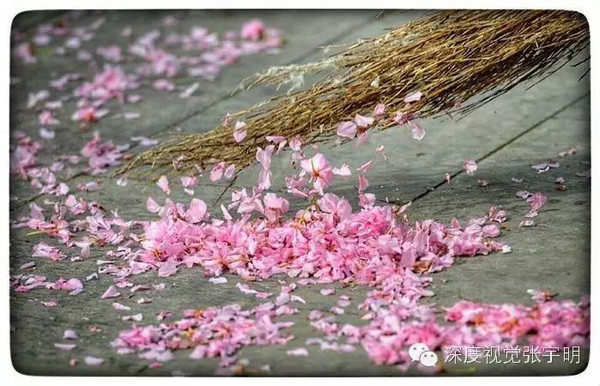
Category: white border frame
[13,7]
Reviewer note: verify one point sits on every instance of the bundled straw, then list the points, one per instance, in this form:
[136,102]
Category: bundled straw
[448,57]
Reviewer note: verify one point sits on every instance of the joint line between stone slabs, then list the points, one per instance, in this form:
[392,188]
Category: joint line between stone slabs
[507,143]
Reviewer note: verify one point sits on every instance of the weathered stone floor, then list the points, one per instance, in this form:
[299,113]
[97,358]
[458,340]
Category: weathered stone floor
[506,136]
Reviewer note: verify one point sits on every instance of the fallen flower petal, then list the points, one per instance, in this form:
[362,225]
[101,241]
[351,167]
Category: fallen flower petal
[70,334]
[163,184]
[469,166]
[298,352]
[413,97]
[93,361]
[111,292]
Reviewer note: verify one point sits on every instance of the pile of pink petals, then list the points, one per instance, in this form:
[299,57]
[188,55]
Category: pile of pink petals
[214,332]
[326,242]
[550,324]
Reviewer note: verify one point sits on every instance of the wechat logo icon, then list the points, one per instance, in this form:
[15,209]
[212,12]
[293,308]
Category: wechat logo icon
[419,352]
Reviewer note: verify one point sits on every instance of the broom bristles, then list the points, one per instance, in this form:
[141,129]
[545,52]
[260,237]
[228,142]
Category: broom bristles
[449,57]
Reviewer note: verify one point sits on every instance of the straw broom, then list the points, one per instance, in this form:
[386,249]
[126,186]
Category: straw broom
[449,57]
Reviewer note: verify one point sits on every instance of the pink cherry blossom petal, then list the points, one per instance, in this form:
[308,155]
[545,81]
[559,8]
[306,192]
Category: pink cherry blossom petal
[469,166]
[110,293]
[163,184]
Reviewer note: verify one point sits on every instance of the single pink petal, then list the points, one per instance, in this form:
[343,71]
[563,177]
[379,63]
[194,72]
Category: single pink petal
[47,133]
[363,183]
[264,179]
[120,307]
[135,318]
[226,214]
[298,352]
[364,168]
[186,182]
[163,184]
[163,84]
[469,166]
[191,89]
[111,292]
[218,280]
[70,334]
[264,156]
[240,131]
[447,177]
[93,361]
[283,298]
[217,171]
[152,205]
[491,230]
[167,269]
[362,121]
[73,284]
[379,110]
[277,139]
[537,201]
[245,289]
[347,129]
[28,265]
[362,138]
[295,144]
[527,223]
[327,291]
[413,97]
[229,172]
[196,212]
[343,170]
[418,131]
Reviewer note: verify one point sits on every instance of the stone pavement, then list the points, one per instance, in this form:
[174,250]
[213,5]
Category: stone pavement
[507,136]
